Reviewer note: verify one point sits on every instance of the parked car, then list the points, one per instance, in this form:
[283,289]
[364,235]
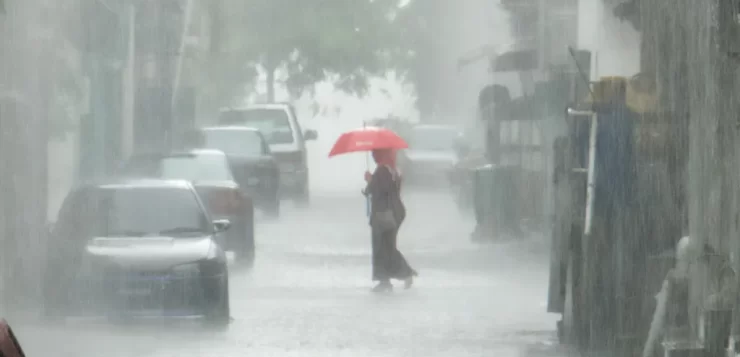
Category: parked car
[211,175]
[137,248]
[251,160]
[398,125]
[279,124]
[432,154]
[463,179]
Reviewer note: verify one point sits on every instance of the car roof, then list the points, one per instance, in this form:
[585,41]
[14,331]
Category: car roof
[125,183]
[231,128]
[191,152]
[281,106]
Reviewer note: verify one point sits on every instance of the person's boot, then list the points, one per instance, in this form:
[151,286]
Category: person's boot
[408,282]
[383,286]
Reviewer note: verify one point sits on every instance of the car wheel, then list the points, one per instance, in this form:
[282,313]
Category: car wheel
[54,300]
[303,198]
[245,252]
[272,208]
[246,259]
[219,314]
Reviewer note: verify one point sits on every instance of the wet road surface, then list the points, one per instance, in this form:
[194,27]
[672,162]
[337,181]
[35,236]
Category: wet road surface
[308,295]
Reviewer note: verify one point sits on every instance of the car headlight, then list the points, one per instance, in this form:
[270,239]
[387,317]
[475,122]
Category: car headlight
[186,269]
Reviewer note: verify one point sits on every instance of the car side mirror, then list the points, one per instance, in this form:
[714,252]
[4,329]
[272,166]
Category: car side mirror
[310,135]
[221,225]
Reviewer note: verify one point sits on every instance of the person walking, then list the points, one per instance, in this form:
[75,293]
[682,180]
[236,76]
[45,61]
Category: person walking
[387,212]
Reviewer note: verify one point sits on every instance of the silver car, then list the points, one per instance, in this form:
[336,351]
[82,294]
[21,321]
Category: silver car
[431,155]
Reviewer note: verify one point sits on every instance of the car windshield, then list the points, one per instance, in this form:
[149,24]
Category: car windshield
[433,139]
[180,167]
[233,142]
[136,212]
[273,123]
[195,168]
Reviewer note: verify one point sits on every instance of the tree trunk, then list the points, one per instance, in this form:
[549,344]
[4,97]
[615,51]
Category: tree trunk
[271,84]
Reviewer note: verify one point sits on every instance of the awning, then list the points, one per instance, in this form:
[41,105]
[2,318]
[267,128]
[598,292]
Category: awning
[640,96]
[516,61]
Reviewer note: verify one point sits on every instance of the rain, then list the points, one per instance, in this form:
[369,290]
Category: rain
[521,178]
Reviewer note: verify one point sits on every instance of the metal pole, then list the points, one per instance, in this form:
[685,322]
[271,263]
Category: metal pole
[591,179]
[367,168]
[541,34]
[181,52]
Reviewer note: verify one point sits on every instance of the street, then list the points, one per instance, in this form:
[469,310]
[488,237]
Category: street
[309,295]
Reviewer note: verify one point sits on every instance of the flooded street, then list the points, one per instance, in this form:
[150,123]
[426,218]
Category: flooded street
[309,295]
[212,164]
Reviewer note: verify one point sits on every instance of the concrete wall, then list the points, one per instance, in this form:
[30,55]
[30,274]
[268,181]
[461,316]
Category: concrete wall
[700,82]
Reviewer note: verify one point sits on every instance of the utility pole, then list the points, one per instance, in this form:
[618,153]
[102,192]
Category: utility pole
[541,35]
[157,34]
[163,73]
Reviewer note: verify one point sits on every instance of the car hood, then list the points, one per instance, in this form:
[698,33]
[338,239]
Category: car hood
[431,156]
[215,184]
[151,252]
[246,160]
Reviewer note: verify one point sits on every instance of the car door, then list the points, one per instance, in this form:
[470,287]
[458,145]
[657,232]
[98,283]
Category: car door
[298,131]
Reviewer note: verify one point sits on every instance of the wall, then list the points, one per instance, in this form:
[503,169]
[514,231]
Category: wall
[701,83]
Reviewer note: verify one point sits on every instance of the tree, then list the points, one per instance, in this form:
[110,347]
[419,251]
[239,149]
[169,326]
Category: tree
[346,41]
[417,47]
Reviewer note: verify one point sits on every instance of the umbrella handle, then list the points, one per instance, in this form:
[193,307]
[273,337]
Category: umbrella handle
[367,154]
[367,206]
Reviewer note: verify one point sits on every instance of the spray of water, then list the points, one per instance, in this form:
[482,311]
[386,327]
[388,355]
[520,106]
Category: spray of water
[616,44]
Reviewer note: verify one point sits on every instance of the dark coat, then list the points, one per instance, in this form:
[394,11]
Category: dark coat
[385,194]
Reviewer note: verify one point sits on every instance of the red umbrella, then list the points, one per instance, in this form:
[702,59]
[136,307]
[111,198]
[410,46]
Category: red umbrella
[367,139]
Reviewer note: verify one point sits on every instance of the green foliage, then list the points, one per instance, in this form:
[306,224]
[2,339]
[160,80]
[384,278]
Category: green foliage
[345,41]
[417,44]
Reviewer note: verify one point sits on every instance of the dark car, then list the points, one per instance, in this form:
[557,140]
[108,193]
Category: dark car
[251,160]
[279,124]
[137,248]
[211,175]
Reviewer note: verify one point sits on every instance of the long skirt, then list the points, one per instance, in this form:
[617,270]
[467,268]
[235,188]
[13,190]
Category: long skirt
[388,262]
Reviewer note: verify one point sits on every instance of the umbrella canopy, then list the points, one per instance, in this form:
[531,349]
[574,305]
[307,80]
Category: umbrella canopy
[367,139]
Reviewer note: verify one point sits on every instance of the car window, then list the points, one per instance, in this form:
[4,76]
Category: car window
[273,123]
[433,139]
[234,142]
[195,168]
[148,211]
